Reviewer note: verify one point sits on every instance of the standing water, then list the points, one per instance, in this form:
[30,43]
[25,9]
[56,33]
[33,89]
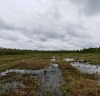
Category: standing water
[86,68]
[49,80]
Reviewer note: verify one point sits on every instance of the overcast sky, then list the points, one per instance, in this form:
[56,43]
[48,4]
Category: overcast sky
[49,24]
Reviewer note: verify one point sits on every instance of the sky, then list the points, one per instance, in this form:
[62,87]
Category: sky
[49,24]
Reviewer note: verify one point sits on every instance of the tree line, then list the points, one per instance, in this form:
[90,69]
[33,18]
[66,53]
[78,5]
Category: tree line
[8,51]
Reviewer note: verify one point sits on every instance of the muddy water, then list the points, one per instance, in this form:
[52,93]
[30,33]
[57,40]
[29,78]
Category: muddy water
[86,68]
[49,80]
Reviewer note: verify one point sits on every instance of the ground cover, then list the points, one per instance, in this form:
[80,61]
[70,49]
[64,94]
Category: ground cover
[92,58]
[37,72]
[77,83]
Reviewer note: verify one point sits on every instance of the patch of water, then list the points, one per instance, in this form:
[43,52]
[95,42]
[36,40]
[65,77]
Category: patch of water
[69,59]
[53,58]
[49,78]
[29,71]
[51,81]
[8,87]
[88,68]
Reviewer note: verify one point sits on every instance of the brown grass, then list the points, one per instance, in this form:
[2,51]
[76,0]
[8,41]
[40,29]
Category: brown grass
[77,83]
[35,63]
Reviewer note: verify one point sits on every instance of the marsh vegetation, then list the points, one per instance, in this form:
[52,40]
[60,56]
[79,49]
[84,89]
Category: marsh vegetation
[50,74]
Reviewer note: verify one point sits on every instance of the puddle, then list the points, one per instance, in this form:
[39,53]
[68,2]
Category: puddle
[72,59]
[69,59]
[53,58]
[87,68]
[49,78]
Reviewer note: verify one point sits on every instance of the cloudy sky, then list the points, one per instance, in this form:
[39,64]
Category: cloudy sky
[49,24]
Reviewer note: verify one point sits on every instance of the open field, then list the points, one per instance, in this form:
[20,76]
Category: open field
[50,74]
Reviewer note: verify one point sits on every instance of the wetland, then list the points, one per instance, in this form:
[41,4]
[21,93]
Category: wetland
[50,75]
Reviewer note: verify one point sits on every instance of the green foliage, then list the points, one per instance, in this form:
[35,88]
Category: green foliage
[68,88]
[5,51]
[45,71]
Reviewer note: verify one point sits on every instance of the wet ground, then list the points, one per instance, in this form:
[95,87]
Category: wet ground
[46,81]
[49,80]
[86,67]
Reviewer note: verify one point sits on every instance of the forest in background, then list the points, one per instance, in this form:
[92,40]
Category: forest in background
[8,51]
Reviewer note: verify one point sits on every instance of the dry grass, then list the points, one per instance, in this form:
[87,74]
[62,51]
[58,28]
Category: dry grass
[29,63]
[62,65]
[32,64]
[10,58]
[79,86]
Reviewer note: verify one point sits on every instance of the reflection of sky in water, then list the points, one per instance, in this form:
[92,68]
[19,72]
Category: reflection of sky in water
[50,68]
[50,80]
[68,59]
[86,68]
[53,58]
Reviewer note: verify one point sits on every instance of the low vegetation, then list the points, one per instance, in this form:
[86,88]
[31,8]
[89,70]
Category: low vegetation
[75,82]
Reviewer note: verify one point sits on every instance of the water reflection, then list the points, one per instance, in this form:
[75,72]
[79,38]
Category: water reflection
[50,78]
[69,59]
[86,67]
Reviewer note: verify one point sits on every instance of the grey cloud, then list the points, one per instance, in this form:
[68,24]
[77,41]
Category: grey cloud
[3,24]
[92,7]
[8,25]
[55,35]
[8,36]
[30,41]
[58,25]
[77,31]
[89,7]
